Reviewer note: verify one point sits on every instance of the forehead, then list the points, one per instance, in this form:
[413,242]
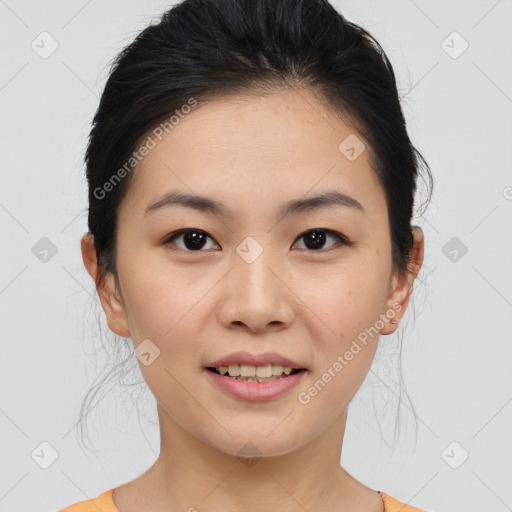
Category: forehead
[272,147]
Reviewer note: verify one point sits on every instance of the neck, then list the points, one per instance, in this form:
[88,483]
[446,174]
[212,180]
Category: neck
[191,474]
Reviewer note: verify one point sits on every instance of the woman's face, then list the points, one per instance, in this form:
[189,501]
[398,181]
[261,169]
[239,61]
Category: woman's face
[247,278]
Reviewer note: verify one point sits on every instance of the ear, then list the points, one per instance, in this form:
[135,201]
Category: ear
[110,296]
[401,285]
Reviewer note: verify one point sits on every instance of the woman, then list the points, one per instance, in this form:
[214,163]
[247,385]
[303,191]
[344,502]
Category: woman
[251,190]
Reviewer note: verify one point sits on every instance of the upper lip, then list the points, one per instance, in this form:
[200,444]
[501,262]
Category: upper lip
[254,360]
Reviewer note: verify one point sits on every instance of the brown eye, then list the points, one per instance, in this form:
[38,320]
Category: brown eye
[315,239]
[193,239]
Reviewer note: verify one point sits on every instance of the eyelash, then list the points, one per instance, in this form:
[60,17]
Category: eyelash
[342,239]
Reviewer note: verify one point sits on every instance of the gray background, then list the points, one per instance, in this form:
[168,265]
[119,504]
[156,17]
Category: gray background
[457,348]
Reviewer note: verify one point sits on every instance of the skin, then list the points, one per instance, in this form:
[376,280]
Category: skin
[253,154]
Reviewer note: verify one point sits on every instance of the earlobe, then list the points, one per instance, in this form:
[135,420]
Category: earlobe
[402,285]
[110,298]
[114,307]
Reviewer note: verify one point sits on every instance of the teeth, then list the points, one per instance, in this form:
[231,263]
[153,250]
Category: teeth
[264,371]
[233,370]
[247,370]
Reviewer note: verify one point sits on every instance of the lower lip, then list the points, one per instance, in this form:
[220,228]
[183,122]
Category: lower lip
[255,391]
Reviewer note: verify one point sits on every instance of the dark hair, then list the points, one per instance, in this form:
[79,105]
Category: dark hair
[202,49]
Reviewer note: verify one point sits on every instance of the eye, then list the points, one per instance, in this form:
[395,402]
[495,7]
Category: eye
[194,239]
[315,238]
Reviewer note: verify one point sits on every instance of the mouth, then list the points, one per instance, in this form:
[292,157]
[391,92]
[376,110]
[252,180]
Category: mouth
[255,383]
[249,373]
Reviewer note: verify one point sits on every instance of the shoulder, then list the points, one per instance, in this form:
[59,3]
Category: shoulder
[103,502]
[393,505]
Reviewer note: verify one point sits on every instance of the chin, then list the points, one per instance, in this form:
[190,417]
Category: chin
[255,444]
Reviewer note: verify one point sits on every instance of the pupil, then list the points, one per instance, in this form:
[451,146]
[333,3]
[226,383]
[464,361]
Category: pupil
[194,240]
[317,237]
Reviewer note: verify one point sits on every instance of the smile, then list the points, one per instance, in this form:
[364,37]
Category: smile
[255,383]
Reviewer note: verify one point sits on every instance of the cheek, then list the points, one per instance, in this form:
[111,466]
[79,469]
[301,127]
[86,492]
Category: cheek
[346,298]
[341,308]
[162,299]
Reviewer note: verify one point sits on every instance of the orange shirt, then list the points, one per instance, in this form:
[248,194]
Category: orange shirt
[105,503]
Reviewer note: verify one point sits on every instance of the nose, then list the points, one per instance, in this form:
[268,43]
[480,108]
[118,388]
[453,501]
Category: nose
[256,295]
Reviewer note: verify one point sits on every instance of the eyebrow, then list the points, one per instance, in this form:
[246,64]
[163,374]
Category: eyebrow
[295,206]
